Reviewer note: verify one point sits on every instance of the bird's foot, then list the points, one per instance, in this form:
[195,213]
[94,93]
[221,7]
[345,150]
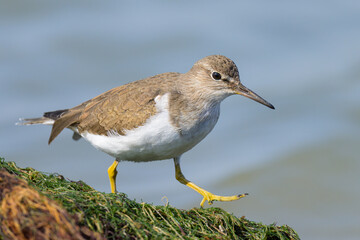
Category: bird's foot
[212,197]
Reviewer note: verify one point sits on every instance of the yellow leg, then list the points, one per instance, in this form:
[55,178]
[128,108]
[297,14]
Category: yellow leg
[112,175]
[207,195]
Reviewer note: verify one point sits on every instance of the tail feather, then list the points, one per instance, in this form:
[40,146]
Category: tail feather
[48,118]
[55,114]
[30,121]
[59,120]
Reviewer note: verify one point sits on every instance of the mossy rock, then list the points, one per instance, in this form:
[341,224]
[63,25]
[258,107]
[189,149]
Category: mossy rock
[88,214]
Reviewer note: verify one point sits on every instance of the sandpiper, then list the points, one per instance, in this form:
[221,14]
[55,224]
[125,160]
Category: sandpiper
[156,118]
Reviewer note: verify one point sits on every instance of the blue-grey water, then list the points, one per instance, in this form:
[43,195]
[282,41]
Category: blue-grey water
[300,163]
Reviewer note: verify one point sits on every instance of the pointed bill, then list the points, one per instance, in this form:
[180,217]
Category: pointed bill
[242,90]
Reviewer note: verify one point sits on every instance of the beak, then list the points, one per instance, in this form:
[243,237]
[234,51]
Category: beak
[242,90]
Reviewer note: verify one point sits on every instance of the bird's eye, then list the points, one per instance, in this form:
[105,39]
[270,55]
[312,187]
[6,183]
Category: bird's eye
[216,76]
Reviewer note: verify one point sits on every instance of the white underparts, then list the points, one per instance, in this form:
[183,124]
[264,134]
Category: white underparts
[157,139]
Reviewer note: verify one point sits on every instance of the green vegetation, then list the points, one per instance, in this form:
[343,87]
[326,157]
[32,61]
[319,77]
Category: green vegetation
[115,216]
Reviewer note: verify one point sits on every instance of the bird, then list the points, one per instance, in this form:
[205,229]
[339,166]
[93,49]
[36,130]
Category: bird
[155,118]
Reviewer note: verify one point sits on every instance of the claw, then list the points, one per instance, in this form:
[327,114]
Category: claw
[212,197]
[208,196]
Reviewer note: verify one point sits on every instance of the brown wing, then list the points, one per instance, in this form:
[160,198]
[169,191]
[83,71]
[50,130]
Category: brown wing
[119,109]
[123,108]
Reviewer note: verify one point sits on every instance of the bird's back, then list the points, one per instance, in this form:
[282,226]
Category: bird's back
[117,110]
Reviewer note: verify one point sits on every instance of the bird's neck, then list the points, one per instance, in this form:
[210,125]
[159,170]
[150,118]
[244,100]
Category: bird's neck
[190,109]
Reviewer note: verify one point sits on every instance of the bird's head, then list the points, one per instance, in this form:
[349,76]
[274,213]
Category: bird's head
[219,76]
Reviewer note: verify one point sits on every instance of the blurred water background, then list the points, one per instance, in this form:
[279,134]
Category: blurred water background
[300,163]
